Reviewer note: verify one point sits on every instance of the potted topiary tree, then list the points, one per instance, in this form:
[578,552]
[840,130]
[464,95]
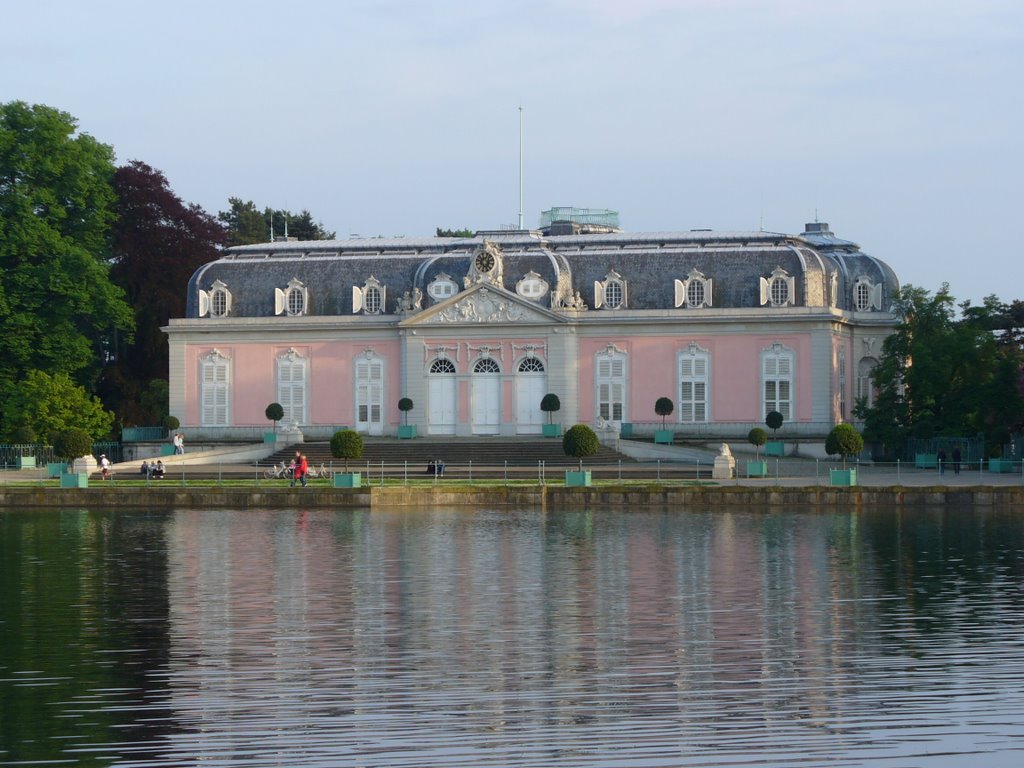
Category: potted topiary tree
[774,447]
[274,413]
[845,441]
[579,441]
[405,431]
[757,468]
[347,444]
[664,406]
[74,445]
[551,404]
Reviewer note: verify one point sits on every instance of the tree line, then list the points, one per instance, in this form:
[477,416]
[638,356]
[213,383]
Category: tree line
[95,258]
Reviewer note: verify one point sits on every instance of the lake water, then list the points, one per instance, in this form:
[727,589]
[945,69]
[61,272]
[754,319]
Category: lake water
[467,638]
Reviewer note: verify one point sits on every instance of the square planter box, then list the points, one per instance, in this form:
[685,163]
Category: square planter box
[552,430]
[406,431]
[56,468]
[664,436]
[843,477]
[74,480]
[1000,465]
[348,479]
[270,437]
[26,462]
[775,448]
[757,469]
[926,460]
[166,449]
[575,478]
[626,429]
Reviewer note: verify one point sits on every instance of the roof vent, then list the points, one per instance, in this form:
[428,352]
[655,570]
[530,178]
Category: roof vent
[818,228]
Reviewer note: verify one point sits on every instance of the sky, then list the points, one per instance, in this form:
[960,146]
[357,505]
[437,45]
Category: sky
[898,122]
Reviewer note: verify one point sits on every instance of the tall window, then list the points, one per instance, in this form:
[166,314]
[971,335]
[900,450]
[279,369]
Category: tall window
[369,392]
[610,381]
[777,378]
[292,371]
[693,385]
[215,381]
[865,385]
[842,382]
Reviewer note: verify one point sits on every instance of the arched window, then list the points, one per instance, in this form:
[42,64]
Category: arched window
[778,290]
[292,299]
[867,296]
[610,293]
[694,291]
[486,365]
[531,365]
[442,366]
[369,298]
[216,302]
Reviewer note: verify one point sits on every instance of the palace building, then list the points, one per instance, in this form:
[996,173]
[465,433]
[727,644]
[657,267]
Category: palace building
[475,331]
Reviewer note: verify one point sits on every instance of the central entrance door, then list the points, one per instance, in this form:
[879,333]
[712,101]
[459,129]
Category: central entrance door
[486,397]
[441,398]
[531,381]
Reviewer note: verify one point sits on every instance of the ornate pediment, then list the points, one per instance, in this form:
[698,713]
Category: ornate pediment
[482,304]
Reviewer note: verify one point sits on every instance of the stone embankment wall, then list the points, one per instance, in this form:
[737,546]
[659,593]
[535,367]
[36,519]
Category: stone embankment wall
[545,497]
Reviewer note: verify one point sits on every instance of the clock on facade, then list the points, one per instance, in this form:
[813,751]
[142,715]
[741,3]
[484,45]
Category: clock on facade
[484,262]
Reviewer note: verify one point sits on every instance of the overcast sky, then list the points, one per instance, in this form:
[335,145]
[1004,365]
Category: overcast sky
[899,122]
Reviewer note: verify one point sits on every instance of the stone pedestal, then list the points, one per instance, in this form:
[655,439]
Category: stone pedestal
[86,464]
[725,464]
[290,435]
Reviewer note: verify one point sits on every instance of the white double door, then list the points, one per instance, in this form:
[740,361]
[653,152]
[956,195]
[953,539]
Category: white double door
[530,389]
[442,405]
[486,403]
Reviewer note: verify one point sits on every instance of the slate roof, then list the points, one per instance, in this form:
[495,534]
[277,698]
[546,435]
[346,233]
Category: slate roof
[648,261]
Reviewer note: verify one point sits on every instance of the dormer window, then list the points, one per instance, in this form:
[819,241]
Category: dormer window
[867,296]
[779,290]
[694,291]
[292,300]
[216,302]
[370,298]
[442,287]
[532,286]
[610,293]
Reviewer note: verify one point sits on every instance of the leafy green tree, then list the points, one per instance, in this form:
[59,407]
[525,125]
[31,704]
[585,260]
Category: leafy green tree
[246,224]
[940,375]
[51,404]
[405,405]
[439,232]
[59,310]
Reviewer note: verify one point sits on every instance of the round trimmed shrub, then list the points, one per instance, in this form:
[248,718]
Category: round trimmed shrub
[757,437]
[72,443]
[549,404]
[845,441]
[580,441]
[664,406]
[346,444]
[773,420]
[274,412]
[405,405]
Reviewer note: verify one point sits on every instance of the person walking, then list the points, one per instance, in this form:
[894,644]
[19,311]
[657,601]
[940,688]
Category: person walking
[942,461]
[179,443]
[104,466]
[303,469]
[957,458]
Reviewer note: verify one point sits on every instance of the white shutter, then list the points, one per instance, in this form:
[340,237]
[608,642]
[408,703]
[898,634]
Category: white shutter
[791,283]
[204,303]
[699,401]
[707,293]
[625,295]
[598,294]
[357,299]
[764,291]
[383,299]
[227,302]
[680,293]
[280,301]
[876,296]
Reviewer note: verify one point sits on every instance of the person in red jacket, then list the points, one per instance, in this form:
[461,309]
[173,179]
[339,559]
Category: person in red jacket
[301,469]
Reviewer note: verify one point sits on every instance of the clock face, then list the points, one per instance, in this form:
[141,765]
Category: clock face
[484,262]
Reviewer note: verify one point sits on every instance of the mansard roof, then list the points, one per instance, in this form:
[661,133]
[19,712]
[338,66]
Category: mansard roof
[825,267]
